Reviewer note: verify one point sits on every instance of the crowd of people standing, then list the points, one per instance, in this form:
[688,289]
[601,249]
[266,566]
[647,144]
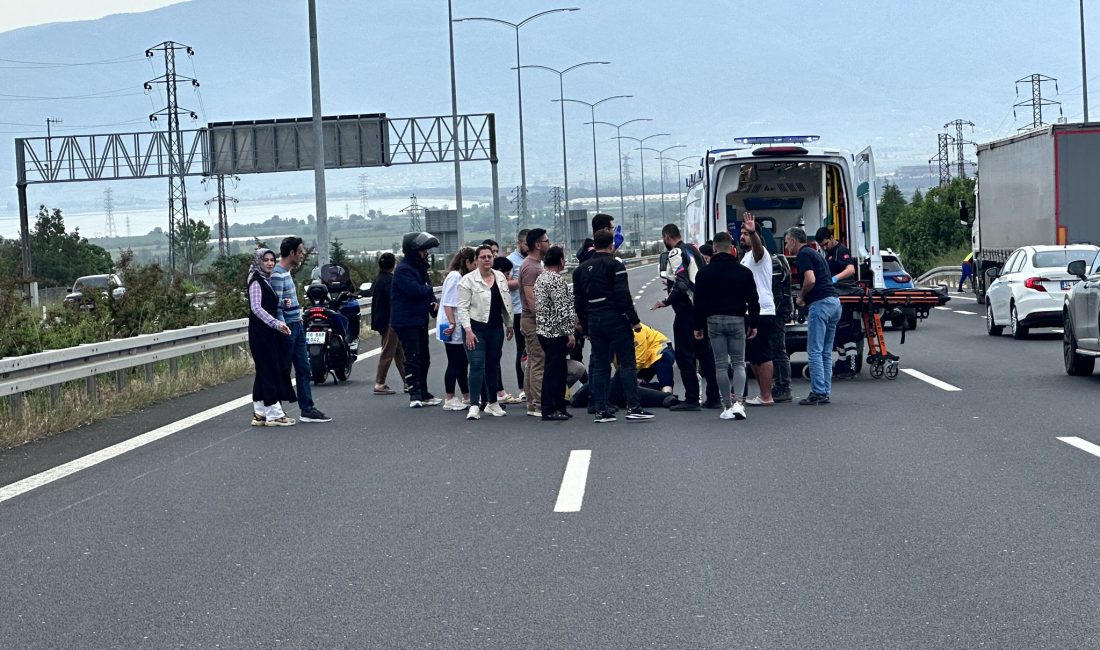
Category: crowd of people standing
[730,310]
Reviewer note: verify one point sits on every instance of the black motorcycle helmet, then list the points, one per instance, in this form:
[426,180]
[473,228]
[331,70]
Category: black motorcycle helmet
[417,241]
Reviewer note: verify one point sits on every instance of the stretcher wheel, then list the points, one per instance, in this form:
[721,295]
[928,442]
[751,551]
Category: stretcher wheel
[892,370]
[876,370]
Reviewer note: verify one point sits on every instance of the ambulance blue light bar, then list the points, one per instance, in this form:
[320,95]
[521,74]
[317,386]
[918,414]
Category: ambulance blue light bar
[778,139]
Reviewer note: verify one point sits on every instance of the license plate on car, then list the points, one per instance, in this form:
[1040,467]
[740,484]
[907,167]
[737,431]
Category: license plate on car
[1067,284]
[315,338]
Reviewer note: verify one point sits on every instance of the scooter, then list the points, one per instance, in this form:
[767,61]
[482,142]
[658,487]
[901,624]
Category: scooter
[332,324]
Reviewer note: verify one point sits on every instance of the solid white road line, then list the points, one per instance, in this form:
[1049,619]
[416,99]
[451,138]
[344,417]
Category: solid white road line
[943,308]
[931,380]
[1083,445]
[61,471]
[968,313]
[571,493]
[84,462]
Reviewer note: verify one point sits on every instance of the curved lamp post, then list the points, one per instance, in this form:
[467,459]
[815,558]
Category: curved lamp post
[519,88]
[564,156]
[641,143]
[618,132]
[661,156]
[592,106]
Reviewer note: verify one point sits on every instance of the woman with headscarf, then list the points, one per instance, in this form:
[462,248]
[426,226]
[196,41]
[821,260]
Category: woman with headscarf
[272,383]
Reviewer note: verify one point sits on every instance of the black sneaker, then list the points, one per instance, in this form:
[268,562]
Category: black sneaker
[813,399]
[782,397]
[313,415]
[605,416]
[637,413]
[684,406]
[714,406]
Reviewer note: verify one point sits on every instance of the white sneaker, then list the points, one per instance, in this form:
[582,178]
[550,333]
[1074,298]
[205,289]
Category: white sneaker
[454,404]
[415,404]
[495,410]
[738,411]
[434,401]
[727,414]
[474,413]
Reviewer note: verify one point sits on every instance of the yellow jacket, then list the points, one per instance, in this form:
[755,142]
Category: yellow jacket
[648,345]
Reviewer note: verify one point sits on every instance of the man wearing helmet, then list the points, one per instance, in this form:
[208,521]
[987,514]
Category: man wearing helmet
[412,305]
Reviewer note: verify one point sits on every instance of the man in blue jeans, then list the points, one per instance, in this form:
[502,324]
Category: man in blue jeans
[291,253]
[819,295]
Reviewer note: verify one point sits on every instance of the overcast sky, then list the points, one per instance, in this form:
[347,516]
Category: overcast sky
[19,13]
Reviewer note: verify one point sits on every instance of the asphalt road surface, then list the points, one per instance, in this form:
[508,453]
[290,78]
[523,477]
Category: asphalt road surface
[937,510]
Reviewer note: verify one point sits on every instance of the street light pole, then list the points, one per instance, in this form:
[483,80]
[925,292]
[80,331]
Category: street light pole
[661,157]
[460,235]
[641,159]
[519,87]
[1084,76]
[564,156]
[618,132]
[680,182]
[595,170]
[318,141]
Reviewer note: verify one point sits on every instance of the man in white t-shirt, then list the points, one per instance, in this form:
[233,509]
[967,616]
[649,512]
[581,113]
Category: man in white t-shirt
[758,350]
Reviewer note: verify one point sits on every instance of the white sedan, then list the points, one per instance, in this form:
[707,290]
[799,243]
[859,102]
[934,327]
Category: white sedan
[1030,289]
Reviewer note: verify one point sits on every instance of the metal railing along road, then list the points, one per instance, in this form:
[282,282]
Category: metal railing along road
[86,362]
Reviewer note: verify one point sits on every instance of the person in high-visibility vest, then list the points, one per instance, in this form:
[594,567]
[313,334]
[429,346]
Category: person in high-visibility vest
[967,272]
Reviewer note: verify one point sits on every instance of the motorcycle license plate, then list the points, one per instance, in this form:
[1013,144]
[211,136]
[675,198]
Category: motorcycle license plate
[315,338]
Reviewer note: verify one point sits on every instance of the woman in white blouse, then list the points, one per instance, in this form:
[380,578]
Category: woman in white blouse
[485,314]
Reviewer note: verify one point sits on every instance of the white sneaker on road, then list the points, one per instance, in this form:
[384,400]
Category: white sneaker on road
[495,410]
[727,414]
[474,413]
[738,410]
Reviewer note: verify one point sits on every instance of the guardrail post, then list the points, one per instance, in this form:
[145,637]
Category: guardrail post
[122,377]
[91,388]
[174,367]
[15,405]
[55,395]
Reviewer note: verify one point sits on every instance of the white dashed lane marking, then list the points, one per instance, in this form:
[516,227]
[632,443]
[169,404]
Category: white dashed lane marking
[930,380]
[571,493]
[963,311]
[1083,445]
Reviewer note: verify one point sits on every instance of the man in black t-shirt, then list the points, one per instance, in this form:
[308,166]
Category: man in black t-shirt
[842,267]
[819,296]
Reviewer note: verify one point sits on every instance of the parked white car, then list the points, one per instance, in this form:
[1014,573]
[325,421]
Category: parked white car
[1030,289]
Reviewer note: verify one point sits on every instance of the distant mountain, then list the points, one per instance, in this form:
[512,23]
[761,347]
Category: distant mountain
[889,74]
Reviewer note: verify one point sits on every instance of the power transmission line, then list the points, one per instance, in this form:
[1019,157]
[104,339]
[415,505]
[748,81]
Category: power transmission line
[960,143]
[1037,101]
[177,189]
[109,210]
[943,157]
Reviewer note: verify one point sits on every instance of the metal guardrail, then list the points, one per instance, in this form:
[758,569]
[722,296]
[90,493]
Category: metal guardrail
[52,368]
[952,272]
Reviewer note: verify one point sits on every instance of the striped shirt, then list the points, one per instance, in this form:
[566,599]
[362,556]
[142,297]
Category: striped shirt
[283,284]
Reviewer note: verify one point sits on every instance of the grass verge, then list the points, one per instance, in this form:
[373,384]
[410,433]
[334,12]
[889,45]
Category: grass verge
[48,411]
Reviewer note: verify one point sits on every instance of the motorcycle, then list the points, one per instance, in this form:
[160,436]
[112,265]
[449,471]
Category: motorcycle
[332,324]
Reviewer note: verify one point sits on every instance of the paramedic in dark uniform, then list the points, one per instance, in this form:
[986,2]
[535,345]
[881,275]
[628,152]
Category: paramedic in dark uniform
[841,265]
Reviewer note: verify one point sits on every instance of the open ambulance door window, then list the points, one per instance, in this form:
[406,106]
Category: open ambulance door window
[867,245]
